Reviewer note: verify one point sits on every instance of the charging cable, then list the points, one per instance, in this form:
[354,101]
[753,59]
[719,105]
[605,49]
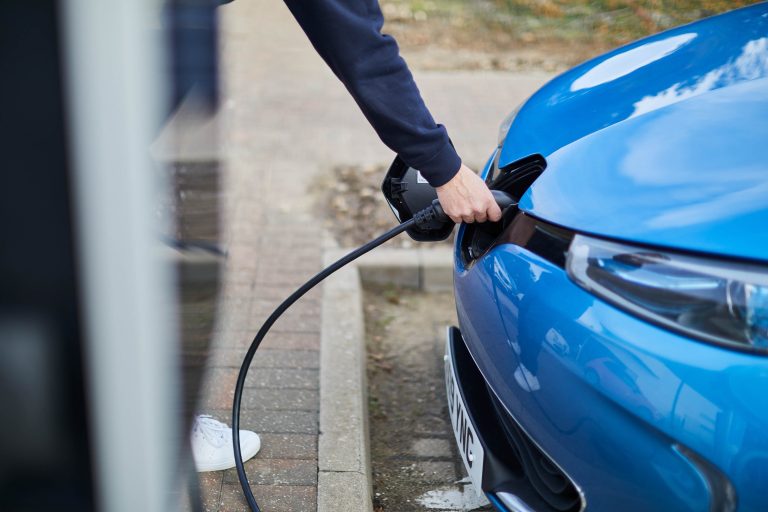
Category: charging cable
[420,219]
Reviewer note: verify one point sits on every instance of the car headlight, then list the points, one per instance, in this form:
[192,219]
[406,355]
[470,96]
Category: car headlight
[506,124]
[716,301]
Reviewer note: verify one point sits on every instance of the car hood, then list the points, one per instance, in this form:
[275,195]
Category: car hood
[662,142]
[692,175]
[649,74]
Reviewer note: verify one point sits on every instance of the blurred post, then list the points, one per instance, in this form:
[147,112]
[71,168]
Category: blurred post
[109,242]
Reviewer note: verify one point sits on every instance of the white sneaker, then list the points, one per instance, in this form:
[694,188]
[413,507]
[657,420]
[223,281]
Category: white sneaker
[212,444]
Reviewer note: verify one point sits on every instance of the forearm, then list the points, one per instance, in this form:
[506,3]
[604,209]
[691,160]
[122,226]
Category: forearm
[347,35]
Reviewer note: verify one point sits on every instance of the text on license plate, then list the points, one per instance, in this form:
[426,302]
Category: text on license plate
[466,438]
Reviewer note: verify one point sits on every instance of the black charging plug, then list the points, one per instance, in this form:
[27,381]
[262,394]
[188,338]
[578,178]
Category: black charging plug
[434,212]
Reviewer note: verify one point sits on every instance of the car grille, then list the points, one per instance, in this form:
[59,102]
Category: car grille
[513,462]
[549,482]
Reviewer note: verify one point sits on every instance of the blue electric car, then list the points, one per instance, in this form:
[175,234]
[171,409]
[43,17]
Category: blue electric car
[612,348]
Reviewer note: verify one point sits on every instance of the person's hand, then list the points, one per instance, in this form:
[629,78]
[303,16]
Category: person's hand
[466,198]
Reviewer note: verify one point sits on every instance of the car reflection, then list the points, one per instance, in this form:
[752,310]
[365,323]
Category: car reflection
[618,381]
[751,64]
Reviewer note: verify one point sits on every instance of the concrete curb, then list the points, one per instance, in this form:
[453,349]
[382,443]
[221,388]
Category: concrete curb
[344,465]
[422,269]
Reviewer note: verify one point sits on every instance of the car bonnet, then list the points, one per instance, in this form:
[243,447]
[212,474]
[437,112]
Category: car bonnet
[643,76]
[662,142]
[692,175]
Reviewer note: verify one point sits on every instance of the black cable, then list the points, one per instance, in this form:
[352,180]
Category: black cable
[268,325]
[422,219]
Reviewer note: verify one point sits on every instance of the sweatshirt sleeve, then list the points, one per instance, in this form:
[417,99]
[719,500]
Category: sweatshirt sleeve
[347,35]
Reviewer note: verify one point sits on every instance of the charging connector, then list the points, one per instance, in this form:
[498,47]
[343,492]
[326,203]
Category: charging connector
[435,212]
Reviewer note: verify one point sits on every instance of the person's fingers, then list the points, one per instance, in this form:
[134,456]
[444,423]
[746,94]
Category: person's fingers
[466,198]
[453,214]
[468,216]
[494,212]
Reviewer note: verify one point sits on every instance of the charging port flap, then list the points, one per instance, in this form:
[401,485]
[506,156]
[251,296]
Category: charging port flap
[514,179]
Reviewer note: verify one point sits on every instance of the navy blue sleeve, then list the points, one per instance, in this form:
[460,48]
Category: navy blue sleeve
[347,35]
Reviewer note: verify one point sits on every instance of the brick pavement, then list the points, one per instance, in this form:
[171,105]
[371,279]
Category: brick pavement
[285,121]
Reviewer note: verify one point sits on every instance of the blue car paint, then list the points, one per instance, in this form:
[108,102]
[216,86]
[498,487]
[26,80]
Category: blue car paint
[634,120]
[681,63]
[614,433]
[516,308]
[692,176]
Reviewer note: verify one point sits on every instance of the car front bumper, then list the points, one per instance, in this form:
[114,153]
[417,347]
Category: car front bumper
[636,417]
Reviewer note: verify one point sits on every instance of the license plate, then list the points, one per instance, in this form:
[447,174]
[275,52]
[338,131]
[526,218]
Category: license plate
[466,436]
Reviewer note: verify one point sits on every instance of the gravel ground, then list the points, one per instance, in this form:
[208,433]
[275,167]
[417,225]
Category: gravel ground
[414,461]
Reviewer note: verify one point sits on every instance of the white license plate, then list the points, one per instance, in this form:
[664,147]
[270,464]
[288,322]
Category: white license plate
[466,436]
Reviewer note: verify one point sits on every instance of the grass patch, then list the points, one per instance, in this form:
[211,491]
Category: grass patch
[607,21]
[575,28]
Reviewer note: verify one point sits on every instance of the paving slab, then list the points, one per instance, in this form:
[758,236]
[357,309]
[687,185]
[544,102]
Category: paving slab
[262,471]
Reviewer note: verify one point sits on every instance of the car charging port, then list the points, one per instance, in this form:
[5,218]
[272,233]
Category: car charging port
[513,179]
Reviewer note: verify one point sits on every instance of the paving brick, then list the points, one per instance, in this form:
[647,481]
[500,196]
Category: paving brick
[291,241]
[303,307]
[233,338]
[284,276]
[242,257]
[238,277]
[277,472]
[297,255]
[272,498]
[278,293]
[281,399]
[239,321]
[302,317]
[263,399]
[244,274]
[234,314]
[283,378]
[218,389]
[265,358]
[249,211]
[236,289]
[283,326]
[277,338]
[288,446]
[226,357]
[210,489]
[306,232]
[293,422]
[234,303]
[276,358]
[293,341]
[297,263]
[242,235]
[274,422]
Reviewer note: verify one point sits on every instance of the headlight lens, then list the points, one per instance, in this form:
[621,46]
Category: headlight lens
[707,299]
[506,124]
